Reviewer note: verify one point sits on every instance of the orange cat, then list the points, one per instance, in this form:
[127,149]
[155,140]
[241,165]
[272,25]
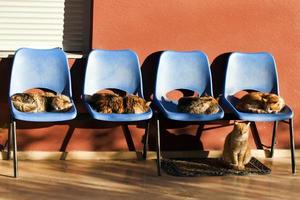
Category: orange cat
[259,102]
[237,152]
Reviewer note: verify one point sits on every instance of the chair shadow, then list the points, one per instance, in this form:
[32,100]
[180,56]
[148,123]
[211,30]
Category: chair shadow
[182,142]
[218,68]
[148,69]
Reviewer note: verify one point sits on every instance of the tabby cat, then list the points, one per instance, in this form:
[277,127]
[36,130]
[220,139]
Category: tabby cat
[198,105]
[237,152]
[107,103]
[260,102]
[135,104]
[113,103]
[47,101]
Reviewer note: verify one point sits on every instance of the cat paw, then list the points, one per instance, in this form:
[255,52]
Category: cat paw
[241,167]
[235,167]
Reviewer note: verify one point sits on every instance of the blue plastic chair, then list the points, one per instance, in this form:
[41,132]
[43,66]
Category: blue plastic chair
[39,68]
[182,70]
[255,71]
[115,69]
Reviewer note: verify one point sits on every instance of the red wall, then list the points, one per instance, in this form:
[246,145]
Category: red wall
[213,26]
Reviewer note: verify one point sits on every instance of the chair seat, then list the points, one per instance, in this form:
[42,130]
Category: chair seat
[286,113]
[44,116]
[114,117]
[169,110]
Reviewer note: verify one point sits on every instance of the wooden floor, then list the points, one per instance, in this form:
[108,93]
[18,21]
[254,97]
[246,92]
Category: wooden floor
[138,180]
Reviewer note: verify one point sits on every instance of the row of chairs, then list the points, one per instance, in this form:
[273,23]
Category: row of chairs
[120,69]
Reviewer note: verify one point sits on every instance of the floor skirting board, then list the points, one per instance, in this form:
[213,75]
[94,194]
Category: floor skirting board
[127,155]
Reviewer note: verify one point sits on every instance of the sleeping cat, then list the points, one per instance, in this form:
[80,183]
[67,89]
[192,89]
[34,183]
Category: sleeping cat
[259,102]
[113,103]
[198,105]
[27,102]
[47,101]
[135,104]
[237,152]
[107,103]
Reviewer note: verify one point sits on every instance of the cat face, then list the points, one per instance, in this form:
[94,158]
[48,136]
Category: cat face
[61,103]
[273,103]
[241,130]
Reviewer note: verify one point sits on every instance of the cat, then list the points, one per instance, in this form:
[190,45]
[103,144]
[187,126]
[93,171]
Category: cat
[113,103]
[60,103]
[135,104]
[41,102]
[237,152]
[28,102]
[260,102]
[107,103]
[198,105]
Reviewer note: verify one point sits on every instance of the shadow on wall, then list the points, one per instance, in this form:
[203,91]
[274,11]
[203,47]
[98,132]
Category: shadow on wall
[149,68]
[218,68]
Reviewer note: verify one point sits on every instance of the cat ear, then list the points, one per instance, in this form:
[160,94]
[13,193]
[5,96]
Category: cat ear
[148,103]
[248,124]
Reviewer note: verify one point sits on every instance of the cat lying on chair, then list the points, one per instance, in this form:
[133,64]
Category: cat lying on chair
[259,102]
[198,105]
[45,102]
[113,103]
[107,103]
[236,152]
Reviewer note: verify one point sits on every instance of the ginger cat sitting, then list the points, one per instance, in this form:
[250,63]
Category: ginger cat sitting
[237,152]
[260,102]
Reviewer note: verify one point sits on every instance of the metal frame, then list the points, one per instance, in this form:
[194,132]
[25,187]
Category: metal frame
[145,150]
[12,140]
[158,153]
[292,142]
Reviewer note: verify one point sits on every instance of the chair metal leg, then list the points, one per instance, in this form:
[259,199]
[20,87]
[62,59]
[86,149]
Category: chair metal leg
[273,138]
[256,136]
[292,146]
[9,137]
[158,148]
[15,149]
[146,140]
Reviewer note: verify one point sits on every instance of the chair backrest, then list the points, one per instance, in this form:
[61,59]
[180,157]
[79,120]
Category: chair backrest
[114,69]
[250,71]
[40,68]
[183,70]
